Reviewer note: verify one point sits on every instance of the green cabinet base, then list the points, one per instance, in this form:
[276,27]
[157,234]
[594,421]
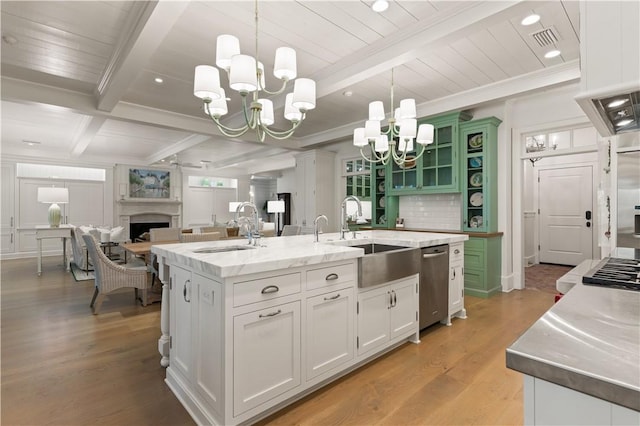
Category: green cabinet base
[482,266]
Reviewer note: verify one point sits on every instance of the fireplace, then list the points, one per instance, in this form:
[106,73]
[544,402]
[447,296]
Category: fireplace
[137,230]
[138,216]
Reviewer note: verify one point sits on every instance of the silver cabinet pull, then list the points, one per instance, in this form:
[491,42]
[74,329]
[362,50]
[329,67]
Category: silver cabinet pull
[272,314]
[332,297]
[430,255]
[184,291]
[390,305]
[456,251]
[331,277]
[395,298]
[270,289]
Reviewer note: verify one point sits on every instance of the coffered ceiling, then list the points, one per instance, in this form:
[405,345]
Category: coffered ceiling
[78,77]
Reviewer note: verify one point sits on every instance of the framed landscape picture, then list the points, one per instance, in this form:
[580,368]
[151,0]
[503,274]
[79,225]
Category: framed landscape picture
[149,183]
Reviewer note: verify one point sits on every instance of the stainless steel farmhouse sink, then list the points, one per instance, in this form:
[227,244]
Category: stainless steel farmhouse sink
[222,249]
[382,263]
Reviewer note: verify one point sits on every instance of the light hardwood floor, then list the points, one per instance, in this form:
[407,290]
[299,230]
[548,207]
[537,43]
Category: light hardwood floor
[61,365]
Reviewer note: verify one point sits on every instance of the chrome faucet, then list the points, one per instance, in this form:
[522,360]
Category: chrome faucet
[316,226]
[254,229]
[344,226]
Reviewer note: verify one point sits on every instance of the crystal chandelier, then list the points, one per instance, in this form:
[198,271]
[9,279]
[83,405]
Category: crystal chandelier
[246,76]
[538,144]
[402,126]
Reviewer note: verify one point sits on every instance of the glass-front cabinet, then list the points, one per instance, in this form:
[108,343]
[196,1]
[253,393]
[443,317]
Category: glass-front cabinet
[358,178]
[436,171]
[479,174]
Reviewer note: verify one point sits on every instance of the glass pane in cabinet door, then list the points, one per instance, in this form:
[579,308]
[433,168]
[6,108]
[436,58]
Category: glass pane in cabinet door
[350,185]
[429,158]
[429,177]
[475,163]
[445,156]
[443,135]
[348,166]
[410,179]
[445,176]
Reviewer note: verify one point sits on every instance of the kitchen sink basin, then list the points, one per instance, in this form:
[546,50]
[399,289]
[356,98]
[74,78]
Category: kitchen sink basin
[222,249]
[382,263]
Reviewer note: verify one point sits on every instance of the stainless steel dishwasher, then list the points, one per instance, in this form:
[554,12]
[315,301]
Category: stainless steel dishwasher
[434,284]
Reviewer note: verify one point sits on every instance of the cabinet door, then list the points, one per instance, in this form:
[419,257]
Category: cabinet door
[197,206]
[404,307]
[440,162]
[330,334]
[182,295]
[209,340]
[456,288]
[7,209]
[266,347]
[373,319]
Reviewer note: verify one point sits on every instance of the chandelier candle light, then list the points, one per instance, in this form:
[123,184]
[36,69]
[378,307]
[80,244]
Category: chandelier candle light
[246,76]
[402,125]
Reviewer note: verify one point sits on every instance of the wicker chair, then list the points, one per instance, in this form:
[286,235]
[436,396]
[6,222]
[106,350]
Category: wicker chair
[111,276]
[221,229]
[164,234]
[204,236]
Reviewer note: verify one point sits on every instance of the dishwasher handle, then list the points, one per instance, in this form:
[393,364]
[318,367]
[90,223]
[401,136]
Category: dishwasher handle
[432,255]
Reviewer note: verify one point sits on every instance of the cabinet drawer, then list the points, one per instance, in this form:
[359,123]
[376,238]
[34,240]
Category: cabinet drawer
[475,244]
[456,253]
[331,275]
[259,290]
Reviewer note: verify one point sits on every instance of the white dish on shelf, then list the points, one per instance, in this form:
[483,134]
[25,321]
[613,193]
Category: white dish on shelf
[381,172]
[381,202]
[381,187]
[475,222]
[476,199]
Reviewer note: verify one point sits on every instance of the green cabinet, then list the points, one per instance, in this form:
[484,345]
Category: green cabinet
[479,174]
[384,208]
[358,178]
[436,171]
[482,265]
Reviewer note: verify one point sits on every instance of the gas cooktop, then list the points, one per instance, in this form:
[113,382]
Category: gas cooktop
[615,272]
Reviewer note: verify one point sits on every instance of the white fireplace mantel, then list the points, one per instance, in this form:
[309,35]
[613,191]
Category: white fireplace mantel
[132,207]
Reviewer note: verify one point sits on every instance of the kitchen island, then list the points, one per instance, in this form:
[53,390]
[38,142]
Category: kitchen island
[247,331]
[581,359]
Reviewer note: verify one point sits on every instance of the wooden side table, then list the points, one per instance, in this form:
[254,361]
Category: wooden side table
[46,231]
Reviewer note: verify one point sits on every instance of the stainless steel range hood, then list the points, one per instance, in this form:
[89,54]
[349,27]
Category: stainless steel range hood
[614,110]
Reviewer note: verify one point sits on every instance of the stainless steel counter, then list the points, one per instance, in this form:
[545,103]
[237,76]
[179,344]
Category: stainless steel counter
[589,342]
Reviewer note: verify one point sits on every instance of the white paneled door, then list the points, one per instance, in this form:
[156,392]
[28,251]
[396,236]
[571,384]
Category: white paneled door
[566,215]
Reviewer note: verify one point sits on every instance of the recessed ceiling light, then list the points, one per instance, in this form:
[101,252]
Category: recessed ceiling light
[530,20]
[617,103]
[624,122]
[552,54]
[31,143]
[158,80]
[380,5]
[347,93]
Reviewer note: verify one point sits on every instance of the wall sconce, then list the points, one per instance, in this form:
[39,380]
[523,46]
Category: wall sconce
[54,196]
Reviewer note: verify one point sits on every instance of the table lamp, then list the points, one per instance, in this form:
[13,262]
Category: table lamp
[276,207]
[54,196]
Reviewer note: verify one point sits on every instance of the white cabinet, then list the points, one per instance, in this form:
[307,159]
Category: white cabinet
[182,319]
[456,282]
[386,313]
[547,403]
[7,209]
[206,205]
[314,189]
[266,362]
[195,350]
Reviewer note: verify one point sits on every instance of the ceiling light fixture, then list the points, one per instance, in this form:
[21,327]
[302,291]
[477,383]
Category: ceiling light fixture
[617,103]
[380,5]
[552,54]
[624,122]
[158,80]
[246,76]
[383,145]
[530,20]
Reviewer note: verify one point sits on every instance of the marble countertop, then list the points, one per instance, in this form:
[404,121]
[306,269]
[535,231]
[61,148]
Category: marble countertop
[589,341]
[289,252]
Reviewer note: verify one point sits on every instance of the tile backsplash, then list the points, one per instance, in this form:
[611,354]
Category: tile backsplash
[440,212]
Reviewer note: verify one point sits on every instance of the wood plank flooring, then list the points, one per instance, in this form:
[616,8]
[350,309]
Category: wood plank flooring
[61,365]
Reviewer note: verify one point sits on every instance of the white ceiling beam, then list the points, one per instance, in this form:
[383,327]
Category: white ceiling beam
[184,144]
[85,133]
[258,154]
[147,26]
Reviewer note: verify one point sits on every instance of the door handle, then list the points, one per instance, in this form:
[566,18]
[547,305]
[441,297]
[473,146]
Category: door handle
[587,215]
[184,291]
[588,224]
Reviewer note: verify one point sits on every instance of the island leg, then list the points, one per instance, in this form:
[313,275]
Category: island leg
[164,340]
